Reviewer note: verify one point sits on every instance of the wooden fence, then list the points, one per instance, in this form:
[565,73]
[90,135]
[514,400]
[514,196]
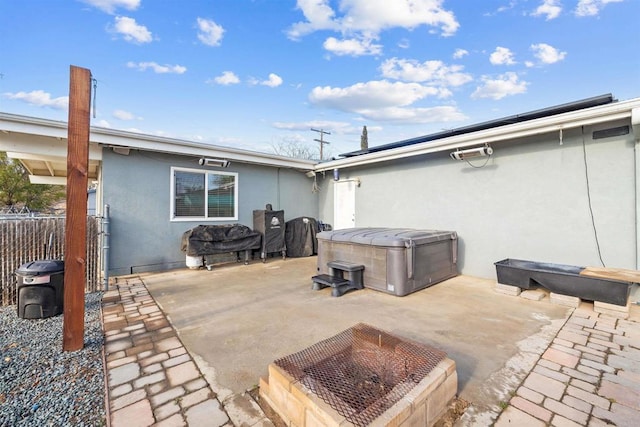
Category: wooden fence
[25,239]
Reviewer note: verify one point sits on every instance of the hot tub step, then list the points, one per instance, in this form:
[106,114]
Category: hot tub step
[324,280]
[336,279]
[339,286]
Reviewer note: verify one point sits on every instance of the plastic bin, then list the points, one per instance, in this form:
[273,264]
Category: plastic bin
[40,289]
[562,279]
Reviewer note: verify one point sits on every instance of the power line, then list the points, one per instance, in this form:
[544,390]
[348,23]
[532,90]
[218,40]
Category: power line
[321,140]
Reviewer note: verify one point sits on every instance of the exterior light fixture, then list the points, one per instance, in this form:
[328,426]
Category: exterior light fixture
[218,163]
[471,153]
[336,174]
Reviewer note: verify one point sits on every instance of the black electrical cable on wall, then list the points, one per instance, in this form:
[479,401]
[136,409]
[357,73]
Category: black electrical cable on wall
[586,174]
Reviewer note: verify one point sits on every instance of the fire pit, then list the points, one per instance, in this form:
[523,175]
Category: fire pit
[361,376]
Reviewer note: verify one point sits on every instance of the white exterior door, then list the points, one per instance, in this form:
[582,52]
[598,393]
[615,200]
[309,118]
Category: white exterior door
[344,204]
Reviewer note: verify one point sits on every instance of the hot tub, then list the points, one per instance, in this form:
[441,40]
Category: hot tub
[397,261]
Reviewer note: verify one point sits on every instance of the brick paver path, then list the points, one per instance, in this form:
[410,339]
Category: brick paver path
[151,378]
[589,376]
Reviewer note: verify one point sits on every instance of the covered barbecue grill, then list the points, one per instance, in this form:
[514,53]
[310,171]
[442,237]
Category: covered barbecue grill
[204,240]
[300,237]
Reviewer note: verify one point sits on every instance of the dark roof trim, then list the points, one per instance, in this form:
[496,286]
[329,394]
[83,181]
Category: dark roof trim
[545,112]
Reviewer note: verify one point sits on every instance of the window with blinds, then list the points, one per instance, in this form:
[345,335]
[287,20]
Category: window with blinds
[199,194]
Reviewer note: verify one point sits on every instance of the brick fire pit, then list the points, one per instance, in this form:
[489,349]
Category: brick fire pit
[362,376]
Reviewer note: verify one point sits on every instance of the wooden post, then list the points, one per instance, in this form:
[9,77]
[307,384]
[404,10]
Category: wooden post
[75,235]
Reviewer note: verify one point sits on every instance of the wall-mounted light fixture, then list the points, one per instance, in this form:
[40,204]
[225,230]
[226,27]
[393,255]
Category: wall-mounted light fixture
[471,153]
[336,174]
[311,174]
[218,163]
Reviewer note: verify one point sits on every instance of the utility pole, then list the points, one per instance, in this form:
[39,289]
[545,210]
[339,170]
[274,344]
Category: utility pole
[321,140]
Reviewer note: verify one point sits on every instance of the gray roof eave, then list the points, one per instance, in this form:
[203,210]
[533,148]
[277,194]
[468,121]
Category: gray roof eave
[140,141]
[504,134]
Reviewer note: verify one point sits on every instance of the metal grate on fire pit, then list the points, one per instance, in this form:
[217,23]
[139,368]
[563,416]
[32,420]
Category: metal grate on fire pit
[362,371]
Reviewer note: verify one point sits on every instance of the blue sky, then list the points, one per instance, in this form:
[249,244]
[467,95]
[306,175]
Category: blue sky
[254,74]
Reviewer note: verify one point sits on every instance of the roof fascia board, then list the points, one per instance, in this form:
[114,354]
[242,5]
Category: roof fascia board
[11,123]
[573,119]
[146,143]
[32,125]
[37,145]
[635,122]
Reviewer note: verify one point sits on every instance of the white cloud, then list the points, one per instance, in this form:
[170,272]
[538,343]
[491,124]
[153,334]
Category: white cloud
[501,9]
[273,81]
[336,127]
[435,72]
[592,7]
[547,54]
[125,115]
[505,85]
[319,16]
[352,47]
[225,79]
[373,16]
[103,123]
[551,9]
[399,115]
[210,33]
[459,53]
[384,101]
[370,95]
[157,68]
[109,6]
[40,98]
[131,31]
[502,56]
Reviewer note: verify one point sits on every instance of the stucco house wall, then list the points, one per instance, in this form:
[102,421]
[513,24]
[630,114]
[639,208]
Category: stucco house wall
[137,188]
[530,201]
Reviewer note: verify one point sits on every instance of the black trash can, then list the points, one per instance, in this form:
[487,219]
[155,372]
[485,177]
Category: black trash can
[40,289]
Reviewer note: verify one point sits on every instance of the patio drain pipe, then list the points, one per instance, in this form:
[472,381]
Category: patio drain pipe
[105,246]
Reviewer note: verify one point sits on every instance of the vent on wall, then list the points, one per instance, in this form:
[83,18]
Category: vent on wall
[608,133]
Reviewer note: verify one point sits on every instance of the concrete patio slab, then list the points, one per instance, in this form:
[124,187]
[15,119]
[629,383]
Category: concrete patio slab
[237,319]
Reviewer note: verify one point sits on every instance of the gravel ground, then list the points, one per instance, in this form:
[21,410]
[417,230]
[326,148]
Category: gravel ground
[40,385]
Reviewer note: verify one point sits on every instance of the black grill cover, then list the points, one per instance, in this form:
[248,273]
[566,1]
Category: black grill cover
[271,225]
[216,239]
[300,236]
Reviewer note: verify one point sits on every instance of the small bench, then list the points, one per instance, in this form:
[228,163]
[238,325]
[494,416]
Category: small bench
[336,279]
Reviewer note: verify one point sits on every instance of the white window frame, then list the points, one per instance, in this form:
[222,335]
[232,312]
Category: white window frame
[204,172]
